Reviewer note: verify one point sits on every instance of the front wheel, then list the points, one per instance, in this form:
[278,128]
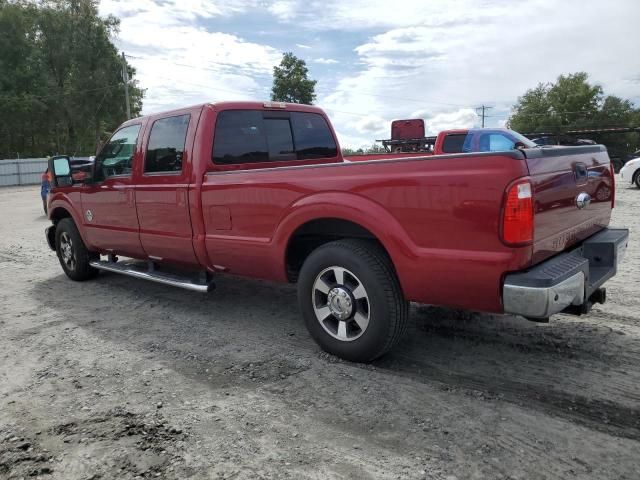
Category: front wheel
[637,180]
[72,252]
[351,300]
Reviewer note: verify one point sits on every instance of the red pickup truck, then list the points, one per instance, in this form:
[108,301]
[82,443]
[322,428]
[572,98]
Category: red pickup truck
[261,190]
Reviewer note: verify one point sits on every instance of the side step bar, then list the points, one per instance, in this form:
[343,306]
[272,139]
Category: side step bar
[138,270]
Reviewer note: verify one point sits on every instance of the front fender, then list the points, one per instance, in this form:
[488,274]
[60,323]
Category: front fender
[69,202]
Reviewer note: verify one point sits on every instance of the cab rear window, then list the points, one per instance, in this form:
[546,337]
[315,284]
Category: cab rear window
[253,136]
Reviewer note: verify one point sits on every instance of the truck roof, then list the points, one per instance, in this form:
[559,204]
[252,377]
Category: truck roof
[236,105]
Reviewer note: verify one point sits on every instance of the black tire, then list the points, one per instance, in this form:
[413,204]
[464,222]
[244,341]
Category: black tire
[78,269]
[636,179]
[387,310]
[44,206]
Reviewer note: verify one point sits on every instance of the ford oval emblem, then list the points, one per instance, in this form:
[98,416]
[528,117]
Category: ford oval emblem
[582,200]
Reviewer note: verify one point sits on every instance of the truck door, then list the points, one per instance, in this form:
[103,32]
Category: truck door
[108,203]
[162,189]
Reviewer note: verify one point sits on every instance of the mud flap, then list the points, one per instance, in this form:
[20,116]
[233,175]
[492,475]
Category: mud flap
[50,234]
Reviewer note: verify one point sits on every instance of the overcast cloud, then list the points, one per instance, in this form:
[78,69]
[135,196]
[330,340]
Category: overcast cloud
[376,60]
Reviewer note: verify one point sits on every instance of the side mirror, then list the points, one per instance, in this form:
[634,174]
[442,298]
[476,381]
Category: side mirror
[60,166]
[519,146]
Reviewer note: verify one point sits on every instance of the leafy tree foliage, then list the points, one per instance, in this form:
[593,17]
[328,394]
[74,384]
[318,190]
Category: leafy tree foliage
[291,82]
[573,103]
[61,87]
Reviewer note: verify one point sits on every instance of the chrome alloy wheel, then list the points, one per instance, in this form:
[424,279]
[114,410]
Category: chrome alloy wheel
[341,303]
[67,252]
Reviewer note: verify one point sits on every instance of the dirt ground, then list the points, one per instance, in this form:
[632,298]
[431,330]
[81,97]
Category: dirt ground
[119,378]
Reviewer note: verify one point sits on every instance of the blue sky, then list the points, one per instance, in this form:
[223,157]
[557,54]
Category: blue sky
[378,60]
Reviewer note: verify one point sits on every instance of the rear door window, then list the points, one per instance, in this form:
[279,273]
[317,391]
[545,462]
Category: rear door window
[252,136]
[166,144]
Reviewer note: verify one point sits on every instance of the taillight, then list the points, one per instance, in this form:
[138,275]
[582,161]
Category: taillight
[517,215]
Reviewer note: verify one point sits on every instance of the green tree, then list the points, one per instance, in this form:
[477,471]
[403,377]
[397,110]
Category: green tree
[291,82]
[573,103]
[60,78]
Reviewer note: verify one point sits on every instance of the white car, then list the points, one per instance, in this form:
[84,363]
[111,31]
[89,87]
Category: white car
[631,171]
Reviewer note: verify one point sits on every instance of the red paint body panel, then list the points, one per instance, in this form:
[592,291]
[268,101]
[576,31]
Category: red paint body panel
[416,209]
[558,223]
[438,217]
[384,156]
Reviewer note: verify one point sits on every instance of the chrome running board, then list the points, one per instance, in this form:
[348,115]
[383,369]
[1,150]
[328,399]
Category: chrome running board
[138,270]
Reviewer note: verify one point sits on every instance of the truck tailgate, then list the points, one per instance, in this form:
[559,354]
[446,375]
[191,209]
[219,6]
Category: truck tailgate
[561,176]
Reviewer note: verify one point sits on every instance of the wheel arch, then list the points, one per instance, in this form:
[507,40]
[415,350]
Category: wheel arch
[322,218]
[61,208]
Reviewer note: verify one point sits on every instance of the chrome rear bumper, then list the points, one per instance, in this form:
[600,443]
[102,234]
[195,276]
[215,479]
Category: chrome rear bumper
[569,281]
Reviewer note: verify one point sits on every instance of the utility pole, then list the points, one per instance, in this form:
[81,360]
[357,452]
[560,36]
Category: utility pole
[125,79]
[482,108]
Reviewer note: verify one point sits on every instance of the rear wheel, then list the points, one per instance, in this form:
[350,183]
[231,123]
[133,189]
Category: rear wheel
[637,179]
[351,300]
[72,252]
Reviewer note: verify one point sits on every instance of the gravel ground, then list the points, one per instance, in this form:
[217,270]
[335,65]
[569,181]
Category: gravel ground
[118,378]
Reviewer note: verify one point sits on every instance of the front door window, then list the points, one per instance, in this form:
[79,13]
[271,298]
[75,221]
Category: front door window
[116,157]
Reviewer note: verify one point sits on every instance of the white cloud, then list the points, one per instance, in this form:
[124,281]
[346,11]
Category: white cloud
[394,59]
[179,62]
[175,10]
[463,118]
[325,61]
[447,61]
[371,124]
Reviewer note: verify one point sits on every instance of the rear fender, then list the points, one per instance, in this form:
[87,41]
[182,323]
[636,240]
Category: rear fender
[350,207]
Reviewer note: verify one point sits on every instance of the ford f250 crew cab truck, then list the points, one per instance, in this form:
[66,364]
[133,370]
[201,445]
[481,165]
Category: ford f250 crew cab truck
[261,190]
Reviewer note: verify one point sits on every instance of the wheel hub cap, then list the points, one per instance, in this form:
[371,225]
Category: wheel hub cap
[66,251]
[340,303]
